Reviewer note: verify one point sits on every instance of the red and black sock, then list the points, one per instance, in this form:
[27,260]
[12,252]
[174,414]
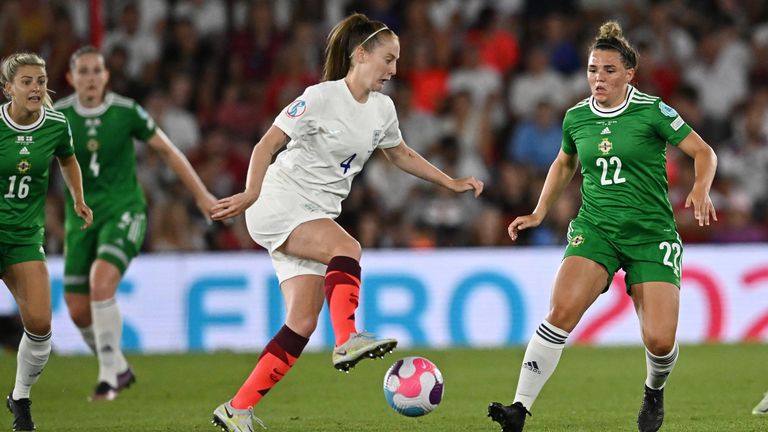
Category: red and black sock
[342,291]
[275,361]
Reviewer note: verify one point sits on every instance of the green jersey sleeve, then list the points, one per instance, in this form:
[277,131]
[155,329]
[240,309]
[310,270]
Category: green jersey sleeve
[568,144]
[143,124]
[668,123]
[65,147]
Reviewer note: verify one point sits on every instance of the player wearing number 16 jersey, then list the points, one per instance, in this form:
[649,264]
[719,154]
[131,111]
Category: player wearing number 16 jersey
[619,136]
[290,205]
[104,126]
[31,135]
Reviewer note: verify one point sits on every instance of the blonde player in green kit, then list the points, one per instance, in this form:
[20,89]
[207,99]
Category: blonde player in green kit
[619,136]
[104,126]
[31,135]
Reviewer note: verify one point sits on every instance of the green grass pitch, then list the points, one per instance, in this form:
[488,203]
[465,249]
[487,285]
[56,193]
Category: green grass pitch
[713,388]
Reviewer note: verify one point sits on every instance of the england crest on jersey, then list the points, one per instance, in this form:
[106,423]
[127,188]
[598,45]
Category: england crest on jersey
[378,135]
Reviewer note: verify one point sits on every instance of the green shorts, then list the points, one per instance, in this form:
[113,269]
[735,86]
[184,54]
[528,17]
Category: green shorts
[116,240]
[15,254]
[657,261]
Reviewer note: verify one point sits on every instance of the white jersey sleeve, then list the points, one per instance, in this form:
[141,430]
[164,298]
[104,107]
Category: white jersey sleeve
[300,117]
[392,135]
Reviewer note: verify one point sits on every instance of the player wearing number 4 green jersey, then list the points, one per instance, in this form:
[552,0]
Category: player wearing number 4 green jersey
[31,135]
[104,126]
[619,136]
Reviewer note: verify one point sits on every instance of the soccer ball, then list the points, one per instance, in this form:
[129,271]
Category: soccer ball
[413,386]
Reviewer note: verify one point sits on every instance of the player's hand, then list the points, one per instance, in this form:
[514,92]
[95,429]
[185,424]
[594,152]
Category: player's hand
[523,222]
[85,213]
[205,204]
[465,184]
[702,205]
[232,206]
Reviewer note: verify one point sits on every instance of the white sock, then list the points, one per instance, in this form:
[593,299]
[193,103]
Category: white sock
[658,368]
[88,337]
[30,361]
[108,329]
[540,361]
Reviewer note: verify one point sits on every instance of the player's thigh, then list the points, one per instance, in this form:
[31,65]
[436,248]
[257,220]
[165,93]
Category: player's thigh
[282,219]
[586,272]
[579,282]
[320,240]
[657,305]
[653,279]
[30,284]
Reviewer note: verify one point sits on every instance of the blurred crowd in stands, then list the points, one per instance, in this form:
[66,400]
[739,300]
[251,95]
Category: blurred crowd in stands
[481,89]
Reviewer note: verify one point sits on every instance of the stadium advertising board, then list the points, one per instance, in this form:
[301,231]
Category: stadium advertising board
[463,297]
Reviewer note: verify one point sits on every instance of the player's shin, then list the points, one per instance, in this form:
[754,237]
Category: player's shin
[658,368]
[342,291]
[540,360]
[275,361]
[108,328]
[32,357]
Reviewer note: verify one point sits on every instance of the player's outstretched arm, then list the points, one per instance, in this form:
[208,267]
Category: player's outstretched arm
[73,177]
[261,157]
[411,162]
[183,169]
[560,174]
[705,164]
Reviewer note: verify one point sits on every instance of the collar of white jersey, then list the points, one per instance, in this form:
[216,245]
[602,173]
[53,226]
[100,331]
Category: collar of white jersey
[612,112]
[21,128]
[95,111]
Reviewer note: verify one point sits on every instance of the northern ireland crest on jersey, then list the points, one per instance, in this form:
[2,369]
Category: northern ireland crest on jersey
[577,240]
[605,146]
[23,166]
[92,145]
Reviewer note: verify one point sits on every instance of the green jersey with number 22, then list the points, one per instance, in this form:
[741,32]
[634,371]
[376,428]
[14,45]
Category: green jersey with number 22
[623,158]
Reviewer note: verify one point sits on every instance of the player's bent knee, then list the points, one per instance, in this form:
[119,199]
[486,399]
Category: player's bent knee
[659,345]
[39,326]
[80,314]
[350,248]
[563,318]
[303,326]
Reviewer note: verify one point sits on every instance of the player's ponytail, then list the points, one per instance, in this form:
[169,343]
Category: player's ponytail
[10,66]
[353,31]
[611,37]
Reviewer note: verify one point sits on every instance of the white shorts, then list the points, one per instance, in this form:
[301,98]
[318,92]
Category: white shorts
[272,218]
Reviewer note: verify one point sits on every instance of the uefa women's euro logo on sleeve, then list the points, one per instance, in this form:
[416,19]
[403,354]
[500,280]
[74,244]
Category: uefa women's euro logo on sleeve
[667,110]
[296,109]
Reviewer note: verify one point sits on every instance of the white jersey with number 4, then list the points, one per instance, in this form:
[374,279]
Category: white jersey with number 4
[332,136]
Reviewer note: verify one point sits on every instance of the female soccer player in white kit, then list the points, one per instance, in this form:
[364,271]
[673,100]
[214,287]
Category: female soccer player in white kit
[290,206]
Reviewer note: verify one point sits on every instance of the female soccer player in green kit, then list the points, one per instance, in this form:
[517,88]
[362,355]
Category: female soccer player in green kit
[104,125]
[31,134]
[619,136]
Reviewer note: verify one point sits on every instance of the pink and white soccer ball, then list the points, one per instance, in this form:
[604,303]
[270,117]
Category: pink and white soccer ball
[413,386]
